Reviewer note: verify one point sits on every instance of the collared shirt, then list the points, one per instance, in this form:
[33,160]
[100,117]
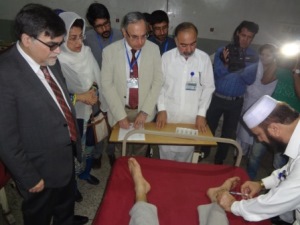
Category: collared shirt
[36,68]
[129,54]
[184,105]
[232,84]
[164,46]
[97,43]
[284,185]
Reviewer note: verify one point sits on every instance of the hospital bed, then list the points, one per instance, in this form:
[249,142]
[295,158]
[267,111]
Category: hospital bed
[176,188]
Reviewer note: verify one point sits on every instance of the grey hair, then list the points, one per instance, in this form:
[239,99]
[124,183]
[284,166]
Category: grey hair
[132,17]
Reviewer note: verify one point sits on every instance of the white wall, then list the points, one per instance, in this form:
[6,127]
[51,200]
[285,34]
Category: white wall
[279,20]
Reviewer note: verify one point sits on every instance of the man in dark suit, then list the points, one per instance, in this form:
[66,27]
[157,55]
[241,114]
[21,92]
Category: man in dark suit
[38,133]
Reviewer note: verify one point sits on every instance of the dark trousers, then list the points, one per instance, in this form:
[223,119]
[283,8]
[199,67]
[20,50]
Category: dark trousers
[231,111]
[39,208]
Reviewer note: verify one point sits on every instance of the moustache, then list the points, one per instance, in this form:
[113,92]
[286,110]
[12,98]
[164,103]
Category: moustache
[106,34]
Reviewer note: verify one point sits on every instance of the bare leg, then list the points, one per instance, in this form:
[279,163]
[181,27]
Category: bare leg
[142,187]
[142,213]
[226,186]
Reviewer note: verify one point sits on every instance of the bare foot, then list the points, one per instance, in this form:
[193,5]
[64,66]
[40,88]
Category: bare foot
[229,184]
[212,193]
[142,187]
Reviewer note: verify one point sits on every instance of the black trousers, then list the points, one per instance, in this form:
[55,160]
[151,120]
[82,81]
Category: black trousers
[231,111]
[39,208]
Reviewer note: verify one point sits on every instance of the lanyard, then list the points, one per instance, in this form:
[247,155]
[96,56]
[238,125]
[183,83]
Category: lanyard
[135,61]
[99,40]
[166,46]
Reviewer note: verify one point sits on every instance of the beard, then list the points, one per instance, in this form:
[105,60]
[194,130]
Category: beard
[275,143]
[105,34]
[187,54]
[161,37]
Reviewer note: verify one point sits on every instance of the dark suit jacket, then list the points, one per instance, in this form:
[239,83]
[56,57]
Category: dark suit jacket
[34,138]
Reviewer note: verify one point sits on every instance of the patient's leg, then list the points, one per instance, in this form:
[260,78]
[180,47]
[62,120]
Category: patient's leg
[226,186]
[142,213]
[141,186]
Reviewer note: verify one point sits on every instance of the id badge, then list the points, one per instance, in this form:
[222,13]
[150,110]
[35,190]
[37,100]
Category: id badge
[133,83]
[191,86]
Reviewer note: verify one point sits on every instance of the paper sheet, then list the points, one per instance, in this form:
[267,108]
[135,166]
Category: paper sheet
[134,137]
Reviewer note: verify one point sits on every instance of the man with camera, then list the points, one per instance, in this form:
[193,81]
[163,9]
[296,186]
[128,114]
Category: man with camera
[232,75]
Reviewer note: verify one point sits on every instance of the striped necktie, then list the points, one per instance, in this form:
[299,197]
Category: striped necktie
[62,103]
[134,73]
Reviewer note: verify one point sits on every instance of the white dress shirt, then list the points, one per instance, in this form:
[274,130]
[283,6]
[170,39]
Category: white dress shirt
[36,68]
[284,185]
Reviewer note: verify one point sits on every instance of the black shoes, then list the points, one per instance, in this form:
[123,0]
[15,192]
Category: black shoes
[92,180]
[80,220]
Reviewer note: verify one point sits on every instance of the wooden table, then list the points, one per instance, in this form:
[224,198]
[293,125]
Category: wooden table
[157,136]
[168,136]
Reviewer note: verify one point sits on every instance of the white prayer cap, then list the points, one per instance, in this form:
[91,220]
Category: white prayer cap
[259,111]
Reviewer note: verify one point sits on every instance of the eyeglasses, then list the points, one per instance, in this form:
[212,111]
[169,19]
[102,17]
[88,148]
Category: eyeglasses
[75,38]
[136,38]
[52,46]
[105,24]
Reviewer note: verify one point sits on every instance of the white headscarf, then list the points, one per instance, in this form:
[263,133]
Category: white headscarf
[80,69]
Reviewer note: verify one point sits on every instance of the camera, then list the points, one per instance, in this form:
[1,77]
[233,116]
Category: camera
[237,57]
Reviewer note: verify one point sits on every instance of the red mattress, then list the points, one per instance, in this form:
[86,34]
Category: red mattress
[176,189]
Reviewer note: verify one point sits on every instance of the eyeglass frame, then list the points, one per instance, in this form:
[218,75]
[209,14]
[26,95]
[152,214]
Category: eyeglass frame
[105,24]
[51,47]
[136,38]
[76,38]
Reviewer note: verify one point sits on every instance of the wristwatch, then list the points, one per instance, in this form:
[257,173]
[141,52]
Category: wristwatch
[296,71]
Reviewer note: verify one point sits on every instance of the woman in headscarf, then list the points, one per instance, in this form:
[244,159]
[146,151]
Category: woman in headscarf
[82,75]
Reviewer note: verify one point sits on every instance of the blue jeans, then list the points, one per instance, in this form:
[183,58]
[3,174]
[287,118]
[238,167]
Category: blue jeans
[256,155]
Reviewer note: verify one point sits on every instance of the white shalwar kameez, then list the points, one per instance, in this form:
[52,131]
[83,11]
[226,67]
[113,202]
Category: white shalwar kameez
[186,93]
